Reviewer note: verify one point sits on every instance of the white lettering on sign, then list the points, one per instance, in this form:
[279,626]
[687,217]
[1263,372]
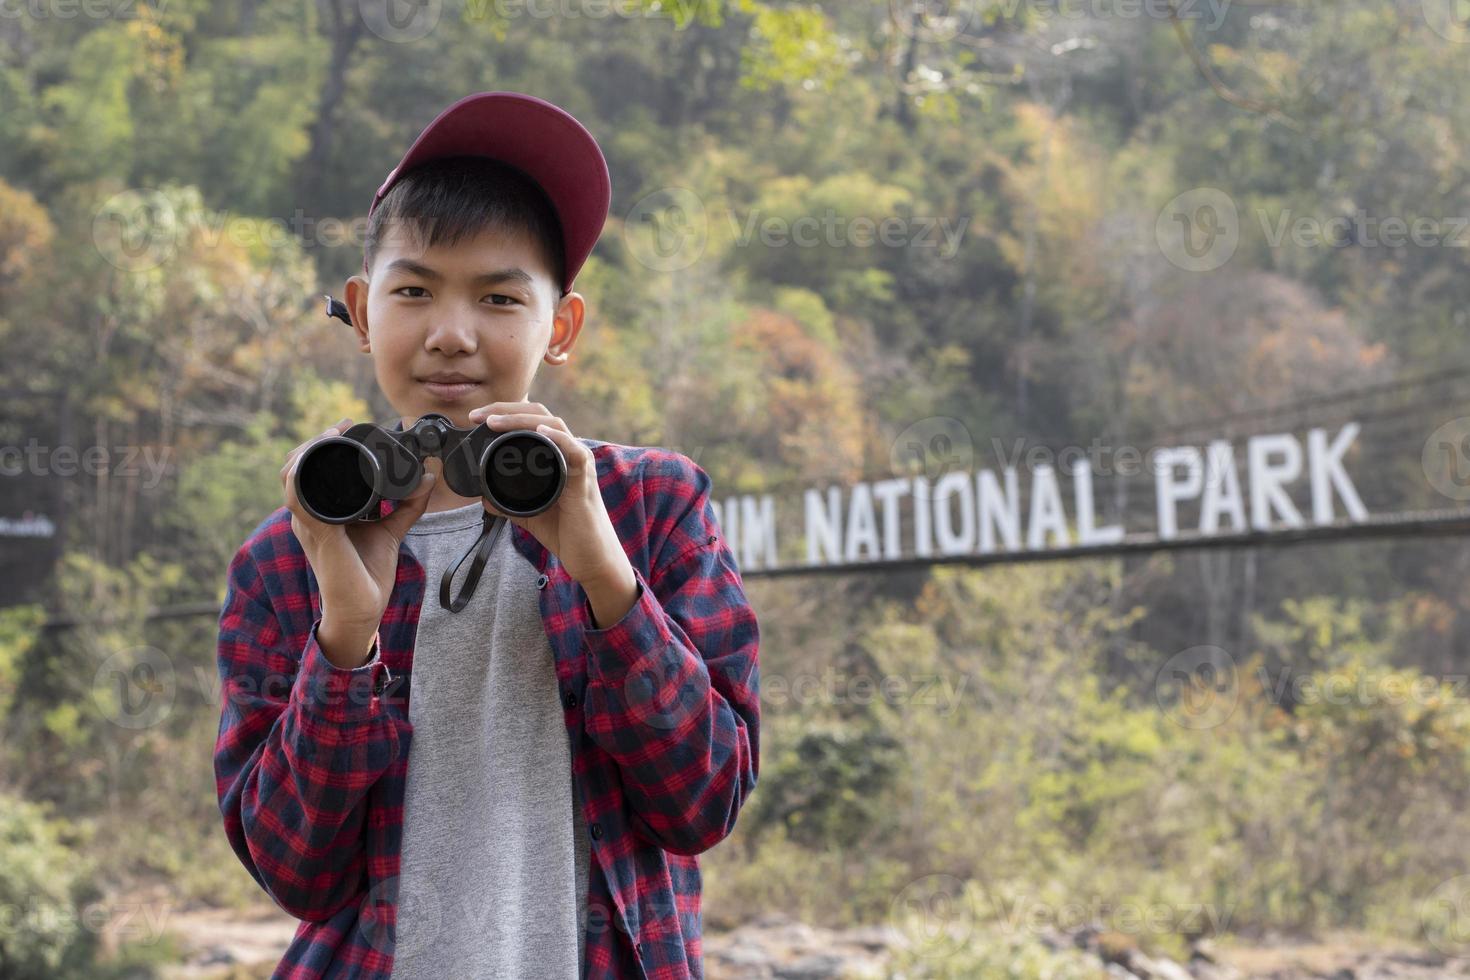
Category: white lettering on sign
[28,525]
[1206,490]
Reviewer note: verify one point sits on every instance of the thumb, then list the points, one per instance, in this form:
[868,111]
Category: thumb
[410,508]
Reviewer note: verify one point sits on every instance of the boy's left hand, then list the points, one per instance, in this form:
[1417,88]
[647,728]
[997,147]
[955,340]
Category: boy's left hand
[576,528]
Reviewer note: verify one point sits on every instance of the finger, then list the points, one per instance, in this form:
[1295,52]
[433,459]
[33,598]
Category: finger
[523,420]
[410,508]
[578,456]
[501,408]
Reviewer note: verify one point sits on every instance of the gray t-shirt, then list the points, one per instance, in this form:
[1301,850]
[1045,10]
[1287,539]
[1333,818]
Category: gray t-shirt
[493,879]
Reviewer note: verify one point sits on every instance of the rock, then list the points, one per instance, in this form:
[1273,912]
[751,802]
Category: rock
[819,966]
[1204,949]
[216,956]
[1211,971]
[743,957]
[1169,970]
[874,939]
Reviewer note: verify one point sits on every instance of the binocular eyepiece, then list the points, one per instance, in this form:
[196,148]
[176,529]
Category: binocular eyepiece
[342,479]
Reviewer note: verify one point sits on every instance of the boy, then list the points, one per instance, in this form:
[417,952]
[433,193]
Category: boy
[519,786]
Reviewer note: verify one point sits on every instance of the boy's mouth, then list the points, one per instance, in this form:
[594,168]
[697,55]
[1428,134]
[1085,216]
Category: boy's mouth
[449,388]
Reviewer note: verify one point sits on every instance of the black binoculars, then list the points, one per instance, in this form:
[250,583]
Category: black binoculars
[342,479]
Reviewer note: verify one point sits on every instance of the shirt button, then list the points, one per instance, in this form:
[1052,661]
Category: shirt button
[541,581]
[711,539]
[596,831]
[639,948]
[571,700]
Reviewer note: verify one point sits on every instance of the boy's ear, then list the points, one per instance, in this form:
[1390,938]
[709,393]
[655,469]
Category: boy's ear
[357,292]
[566,325]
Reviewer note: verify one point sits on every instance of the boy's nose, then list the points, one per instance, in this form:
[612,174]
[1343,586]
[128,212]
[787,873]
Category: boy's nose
[451,333]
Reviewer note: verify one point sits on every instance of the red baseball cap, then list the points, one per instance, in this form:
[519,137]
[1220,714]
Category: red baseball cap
[541,139]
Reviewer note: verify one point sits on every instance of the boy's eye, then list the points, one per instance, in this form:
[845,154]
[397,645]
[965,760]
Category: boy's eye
[508,300]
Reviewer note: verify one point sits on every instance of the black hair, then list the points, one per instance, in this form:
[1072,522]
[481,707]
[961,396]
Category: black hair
[446,200]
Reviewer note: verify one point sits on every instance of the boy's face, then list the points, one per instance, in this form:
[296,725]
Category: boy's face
[485,309]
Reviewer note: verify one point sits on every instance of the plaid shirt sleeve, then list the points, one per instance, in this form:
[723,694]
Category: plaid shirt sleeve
[673,686]
[300,743]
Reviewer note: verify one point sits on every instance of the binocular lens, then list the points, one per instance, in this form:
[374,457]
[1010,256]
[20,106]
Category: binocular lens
[334,481]
[523,473]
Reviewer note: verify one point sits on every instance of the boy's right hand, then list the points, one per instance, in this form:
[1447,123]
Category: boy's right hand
[355,564]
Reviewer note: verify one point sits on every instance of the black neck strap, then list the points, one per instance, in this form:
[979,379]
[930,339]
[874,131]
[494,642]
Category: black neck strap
[489,532]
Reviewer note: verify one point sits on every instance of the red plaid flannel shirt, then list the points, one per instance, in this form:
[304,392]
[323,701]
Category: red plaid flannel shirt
[662,711]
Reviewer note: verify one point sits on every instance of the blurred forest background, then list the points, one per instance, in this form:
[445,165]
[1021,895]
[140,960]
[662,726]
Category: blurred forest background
[169,173]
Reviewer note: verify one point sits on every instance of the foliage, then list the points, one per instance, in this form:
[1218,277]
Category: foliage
[179,187]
